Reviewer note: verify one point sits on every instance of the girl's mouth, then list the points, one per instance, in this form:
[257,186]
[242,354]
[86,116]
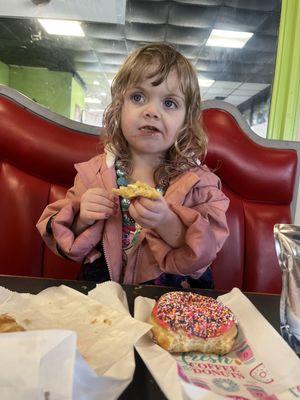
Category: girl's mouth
[149,129]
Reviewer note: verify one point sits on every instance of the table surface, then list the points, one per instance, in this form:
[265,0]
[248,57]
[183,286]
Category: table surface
[143,385]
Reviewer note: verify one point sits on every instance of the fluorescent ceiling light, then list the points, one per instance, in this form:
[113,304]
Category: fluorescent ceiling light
[206,82]
[221,38]
[61,27]
[93,100]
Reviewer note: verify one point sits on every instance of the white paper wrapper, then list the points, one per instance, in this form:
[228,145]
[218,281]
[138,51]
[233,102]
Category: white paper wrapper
[35,364]
[261,365]
[106,333]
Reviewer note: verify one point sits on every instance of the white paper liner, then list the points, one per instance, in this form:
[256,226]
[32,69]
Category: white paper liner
[105,331]
[35,363]
[261,364]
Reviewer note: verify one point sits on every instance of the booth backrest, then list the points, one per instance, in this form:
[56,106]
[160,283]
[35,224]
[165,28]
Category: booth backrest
[39,148]
[260,181]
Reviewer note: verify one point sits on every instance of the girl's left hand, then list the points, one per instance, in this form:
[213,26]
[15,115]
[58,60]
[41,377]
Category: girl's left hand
[149,213]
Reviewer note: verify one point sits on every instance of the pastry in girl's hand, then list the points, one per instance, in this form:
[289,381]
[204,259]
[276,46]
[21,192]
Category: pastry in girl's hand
[9,324]
[137,189]
[185,321]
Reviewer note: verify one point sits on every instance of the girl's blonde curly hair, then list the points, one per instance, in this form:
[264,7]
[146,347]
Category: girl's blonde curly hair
[191,142]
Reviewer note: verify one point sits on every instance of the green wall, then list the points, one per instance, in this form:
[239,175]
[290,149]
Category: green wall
[77,99]
[4,74]
[58,91]
[49,88]
[284,115]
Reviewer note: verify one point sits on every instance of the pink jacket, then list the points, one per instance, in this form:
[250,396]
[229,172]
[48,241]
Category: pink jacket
[196,198]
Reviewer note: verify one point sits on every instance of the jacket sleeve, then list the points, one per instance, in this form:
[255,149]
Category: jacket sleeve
[203,214]
[55,226]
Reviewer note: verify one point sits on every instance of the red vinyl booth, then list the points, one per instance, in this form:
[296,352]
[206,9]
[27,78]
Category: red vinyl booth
[38,149]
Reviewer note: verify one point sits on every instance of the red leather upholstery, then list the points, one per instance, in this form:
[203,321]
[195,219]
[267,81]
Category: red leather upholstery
[260,183]
[36,167]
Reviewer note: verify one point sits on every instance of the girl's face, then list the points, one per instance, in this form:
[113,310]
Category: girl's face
[152,116]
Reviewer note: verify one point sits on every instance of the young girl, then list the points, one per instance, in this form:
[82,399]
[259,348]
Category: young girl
[152,134]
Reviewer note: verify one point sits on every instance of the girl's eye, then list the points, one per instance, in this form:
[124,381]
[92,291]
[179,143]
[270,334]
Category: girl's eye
[170,103]
[137,97]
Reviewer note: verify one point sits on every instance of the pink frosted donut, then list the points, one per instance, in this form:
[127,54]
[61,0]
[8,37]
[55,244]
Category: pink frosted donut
[185,321]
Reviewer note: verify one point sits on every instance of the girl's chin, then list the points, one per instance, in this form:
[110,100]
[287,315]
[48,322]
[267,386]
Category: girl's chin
[148,150]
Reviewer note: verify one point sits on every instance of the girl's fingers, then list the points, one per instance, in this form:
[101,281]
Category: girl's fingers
[97,216]
[146,208]
[98,199]
[91,207]
[142,215]
[96,211]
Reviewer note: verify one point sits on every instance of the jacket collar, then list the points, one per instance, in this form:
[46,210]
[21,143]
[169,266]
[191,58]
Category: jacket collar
[104,164]
[180,186]
[110,158]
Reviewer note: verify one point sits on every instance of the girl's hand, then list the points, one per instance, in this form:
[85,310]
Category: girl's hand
[157,215]
[148,213]
[97,204]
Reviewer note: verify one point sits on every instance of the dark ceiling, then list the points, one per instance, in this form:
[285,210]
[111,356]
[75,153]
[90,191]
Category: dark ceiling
[239,74]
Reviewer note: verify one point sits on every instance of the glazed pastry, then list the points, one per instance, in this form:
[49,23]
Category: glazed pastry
[137,189]
[185,321]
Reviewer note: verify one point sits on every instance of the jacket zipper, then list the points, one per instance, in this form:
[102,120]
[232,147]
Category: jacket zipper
[136,262]
[139,243]
[106,260]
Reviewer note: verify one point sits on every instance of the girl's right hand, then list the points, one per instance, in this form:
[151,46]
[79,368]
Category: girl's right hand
[97,204]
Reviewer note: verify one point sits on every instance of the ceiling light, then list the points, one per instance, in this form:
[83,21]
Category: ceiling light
[206,82]
[97,83]
[93,100]
[235,39]
[61,27]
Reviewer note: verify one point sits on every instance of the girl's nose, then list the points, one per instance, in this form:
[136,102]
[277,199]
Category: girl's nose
[151,111]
